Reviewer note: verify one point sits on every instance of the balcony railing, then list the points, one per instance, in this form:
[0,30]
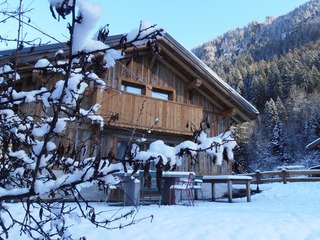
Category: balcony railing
[143,111]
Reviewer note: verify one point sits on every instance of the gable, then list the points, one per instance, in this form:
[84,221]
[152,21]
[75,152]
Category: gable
[199,78]
[202,79]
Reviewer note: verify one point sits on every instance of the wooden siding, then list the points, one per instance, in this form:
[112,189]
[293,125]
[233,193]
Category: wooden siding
[144,111]
[188,104]
[157,75]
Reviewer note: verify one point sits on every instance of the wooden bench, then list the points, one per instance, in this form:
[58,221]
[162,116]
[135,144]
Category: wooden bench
[229,179]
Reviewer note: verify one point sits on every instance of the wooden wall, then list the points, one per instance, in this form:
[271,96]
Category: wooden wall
[157,74]
[187,105]
[153,73]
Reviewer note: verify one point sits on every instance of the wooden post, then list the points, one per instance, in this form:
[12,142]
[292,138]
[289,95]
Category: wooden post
[284,176]
[230,191]
[213,191]
[248,190]
[258,179]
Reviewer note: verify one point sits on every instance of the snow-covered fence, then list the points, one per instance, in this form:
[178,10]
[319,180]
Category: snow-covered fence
[285,176]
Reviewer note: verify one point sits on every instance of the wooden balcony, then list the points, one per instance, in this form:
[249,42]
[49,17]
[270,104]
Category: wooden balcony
[143,111]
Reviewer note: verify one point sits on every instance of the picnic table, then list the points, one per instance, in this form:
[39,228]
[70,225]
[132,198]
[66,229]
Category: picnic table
[230,180]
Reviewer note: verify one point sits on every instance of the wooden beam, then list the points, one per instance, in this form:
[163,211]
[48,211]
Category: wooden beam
[229,113]
[153,60]
[179,74]
[236,120]
[210,99]
[220,107]
[218,94]
[177,60]
[184,78]
[224,98]
[226,101]
[194,84]
[204,83]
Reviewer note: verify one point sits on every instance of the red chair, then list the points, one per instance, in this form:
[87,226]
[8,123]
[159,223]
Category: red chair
[182,185]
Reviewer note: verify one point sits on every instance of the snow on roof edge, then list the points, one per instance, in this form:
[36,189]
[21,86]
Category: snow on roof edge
[315,142]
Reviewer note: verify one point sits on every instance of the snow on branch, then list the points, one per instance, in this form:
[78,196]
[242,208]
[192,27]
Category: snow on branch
[213,146]
[46,151]
[50,128]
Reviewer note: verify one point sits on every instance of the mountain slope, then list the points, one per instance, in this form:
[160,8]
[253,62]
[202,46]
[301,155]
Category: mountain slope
[276,66]
[264,40]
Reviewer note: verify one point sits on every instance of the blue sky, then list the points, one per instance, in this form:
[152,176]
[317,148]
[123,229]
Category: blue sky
[190,22]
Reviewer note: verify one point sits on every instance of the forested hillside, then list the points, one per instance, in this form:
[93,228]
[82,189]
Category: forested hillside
[276,66]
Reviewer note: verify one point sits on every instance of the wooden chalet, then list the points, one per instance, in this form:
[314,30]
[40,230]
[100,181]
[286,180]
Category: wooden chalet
[172,86]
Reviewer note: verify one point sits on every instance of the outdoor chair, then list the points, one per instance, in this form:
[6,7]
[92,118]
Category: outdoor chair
[149,191]
[115,188]
[197,187]
[118,188]
[182,186]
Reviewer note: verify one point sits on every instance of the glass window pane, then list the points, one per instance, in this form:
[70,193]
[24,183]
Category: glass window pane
[131,89]
[160,95]
[135,90]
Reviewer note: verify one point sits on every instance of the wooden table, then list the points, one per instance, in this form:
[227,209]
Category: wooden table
[229,179]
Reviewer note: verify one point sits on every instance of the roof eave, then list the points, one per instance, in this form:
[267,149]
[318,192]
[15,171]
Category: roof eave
[313,145]
[242,104]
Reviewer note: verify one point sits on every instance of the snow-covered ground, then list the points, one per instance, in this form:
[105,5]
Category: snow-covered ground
[281,211]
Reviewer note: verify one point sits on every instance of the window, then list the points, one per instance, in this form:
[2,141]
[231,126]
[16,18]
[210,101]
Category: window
[83,142]
[162,94]
[132,88]
[122,145]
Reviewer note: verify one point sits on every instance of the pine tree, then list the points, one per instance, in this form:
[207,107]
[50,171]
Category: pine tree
[259,88]
[282,113]
[279,143]
[270,115]
[273,84]
[315,78]
[285,76]
[313,123]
